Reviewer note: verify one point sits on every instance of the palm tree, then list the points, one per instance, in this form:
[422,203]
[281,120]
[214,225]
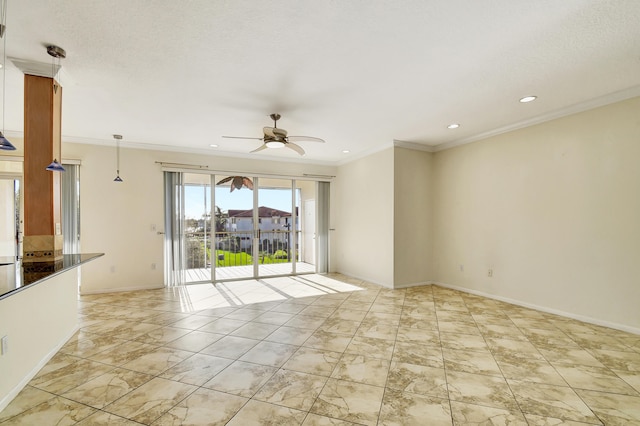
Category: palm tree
[221,219]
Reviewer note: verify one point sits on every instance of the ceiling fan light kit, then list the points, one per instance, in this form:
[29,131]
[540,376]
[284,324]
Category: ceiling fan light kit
[274,137]
[274,144]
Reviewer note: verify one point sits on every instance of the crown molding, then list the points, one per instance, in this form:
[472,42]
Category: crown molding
[608,99]
[363,154]
[413,145]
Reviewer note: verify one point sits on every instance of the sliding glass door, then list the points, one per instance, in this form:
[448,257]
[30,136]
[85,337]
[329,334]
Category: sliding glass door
[277,226]
[231,227]
[196,226]
[234,230]
[260,227]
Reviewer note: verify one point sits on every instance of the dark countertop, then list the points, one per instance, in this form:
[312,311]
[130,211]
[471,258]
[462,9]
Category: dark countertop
[16,276]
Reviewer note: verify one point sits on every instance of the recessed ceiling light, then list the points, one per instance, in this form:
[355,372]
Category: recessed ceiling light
[453,126]
[213,145]
[345,151]
[528,99]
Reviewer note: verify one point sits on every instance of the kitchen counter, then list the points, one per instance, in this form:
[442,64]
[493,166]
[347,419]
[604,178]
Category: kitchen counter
[16,276]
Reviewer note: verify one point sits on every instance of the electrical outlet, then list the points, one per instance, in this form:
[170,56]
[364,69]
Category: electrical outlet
[153,266]
[4,345]
[112,269]
[461,268]
[490,273]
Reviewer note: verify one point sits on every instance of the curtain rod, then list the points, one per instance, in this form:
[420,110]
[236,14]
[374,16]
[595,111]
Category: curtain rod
[178,166]
[318,176]
[195,166]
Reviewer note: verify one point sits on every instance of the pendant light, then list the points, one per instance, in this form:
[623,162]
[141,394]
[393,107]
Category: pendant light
[118,138]
[56,53]
[4,143]
[55,166]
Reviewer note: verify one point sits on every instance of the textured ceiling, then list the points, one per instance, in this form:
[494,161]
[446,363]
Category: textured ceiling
[359,74]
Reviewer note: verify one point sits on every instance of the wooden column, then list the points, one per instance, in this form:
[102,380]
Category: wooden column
[42,208]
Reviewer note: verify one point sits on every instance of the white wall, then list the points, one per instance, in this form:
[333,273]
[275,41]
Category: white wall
[553,209]
[37,322]
[117,218]
[9,172]
[413,240]
[7,218]
[362,216]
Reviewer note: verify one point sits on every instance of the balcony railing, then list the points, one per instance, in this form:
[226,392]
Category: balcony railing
[235,248]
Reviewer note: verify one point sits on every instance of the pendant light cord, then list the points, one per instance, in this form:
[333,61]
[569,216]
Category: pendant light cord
[118,157]
[117,138]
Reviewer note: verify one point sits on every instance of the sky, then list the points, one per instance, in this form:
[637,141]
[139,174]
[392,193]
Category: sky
[239,199]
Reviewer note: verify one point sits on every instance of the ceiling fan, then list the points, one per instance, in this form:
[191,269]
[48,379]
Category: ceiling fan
[273,137]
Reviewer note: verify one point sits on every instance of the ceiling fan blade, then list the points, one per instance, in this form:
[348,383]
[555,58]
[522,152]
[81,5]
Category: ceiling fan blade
[260,148]
[225,180]
[268,131]
[242,137]
[305,139]
[296,148]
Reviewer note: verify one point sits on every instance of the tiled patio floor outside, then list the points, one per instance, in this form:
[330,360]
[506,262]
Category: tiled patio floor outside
[241,272]
[329,350]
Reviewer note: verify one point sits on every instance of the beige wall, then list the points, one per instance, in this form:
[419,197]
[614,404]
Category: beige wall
[362,217]
[412,225]
[117,218]
[552,209]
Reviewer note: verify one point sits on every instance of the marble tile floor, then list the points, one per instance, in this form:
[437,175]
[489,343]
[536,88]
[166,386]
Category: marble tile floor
[329,350]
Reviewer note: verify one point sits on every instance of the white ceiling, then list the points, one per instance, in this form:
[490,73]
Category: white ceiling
[359,74]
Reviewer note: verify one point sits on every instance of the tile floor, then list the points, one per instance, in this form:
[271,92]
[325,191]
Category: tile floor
[329,350]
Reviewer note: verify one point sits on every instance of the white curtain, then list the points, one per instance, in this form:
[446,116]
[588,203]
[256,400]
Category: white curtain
[322,233]
[70,192]
[174,248]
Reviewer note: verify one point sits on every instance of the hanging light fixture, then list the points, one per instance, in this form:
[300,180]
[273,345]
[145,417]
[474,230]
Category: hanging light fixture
[4,142]
[56,53]
[118,138]
[55,166]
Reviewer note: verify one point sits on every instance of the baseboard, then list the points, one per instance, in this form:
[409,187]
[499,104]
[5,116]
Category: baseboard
[409,285]
[367,279]
[25,381]
[120,289]
[578,317]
